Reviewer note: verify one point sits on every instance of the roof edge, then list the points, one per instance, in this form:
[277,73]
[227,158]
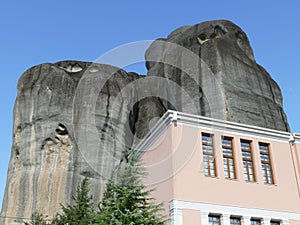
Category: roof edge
[186,119]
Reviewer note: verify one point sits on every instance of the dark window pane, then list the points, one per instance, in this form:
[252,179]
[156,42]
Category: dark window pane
[247,160]
[255,222]
[275,223]
[214,220]
[235,221]
[229,169]
[266,163]
[208,154]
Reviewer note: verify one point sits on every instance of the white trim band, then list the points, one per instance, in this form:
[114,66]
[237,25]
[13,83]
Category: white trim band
[175,117]
[234,210]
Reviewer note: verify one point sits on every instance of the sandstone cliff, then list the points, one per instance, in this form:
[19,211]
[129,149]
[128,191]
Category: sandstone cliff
[69,122]
[75,119]
[214,66]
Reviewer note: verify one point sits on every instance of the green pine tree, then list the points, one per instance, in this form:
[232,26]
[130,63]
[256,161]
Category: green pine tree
[36,219]
[82,212]
[126,201]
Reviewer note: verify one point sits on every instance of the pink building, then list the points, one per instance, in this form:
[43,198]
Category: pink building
[214,172]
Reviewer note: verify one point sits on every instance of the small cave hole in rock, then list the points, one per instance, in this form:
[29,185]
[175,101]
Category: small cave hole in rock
[220,30]
[61,129]
[71,67]
[202,37]
[17,153]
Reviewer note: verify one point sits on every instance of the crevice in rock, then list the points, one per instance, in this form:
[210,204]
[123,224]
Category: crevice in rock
[220,30]
[213,35]
[24,125]
[107,111]
[17,150]
[133,117]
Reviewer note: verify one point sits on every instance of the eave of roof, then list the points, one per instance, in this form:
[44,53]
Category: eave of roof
[211,124]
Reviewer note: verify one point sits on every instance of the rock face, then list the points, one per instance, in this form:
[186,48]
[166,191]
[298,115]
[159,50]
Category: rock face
[68,123]
[211,71]
[75,119]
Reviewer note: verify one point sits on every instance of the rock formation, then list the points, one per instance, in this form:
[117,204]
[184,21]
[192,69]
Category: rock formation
[214,66]
[68,124]
[75,119]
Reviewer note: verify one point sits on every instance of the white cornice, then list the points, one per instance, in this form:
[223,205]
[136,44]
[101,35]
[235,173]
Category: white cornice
[156,131]
[233,210]
[211,124]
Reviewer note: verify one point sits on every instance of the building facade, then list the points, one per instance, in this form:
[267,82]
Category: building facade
[214,172]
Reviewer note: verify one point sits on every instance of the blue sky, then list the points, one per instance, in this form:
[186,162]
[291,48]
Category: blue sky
[34,32]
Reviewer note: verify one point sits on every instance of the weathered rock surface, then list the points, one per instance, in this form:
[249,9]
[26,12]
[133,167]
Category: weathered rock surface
[71,121]
[75,119]
[211,71]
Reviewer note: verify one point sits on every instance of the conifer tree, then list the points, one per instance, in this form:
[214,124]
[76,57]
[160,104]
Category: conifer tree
[82,212]
[36,219]
[126,200]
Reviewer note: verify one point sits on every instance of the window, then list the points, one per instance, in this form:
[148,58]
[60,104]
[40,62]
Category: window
[266,163]
[208,155]
[247,160]
[274,222]
[255,222]
[228,160]
[235,221]
[213,220]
